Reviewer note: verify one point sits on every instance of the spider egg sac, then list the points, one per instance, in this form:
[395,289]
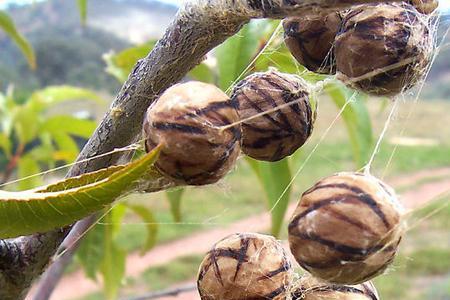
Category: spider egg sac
[245,266]
[383,49]
[275,112]
[186,120]
[310,39]
[311,288]
[346,228]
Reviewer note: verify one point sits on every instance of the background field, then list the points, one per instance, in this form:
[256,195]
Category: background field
[414,157]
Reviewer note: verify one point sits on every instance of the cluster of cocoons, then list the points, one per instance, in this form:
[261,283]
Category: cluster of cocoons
[347,227]
[345,231]
[380,49]
[201,130]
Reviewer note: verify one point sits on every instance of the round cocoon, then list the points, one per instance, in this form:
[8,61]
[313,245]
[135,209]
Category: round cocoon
[245,266]
[276,114]
[383,49]
[346,228]
[186,120]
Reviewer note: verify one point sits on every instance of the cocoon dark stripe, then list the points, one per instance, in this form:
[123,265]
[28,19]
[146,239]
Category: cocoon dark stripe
[360,194]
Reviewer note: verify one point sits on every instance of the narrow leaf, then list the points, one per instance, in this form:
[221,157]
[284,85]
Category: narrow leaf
[234,55]
[274,178]
[90,253]
[120,65]
[69,125]
[357,120]
[80,181]
[41,99]
[150,224]
[113,264]
[202,73]
[28,212]
[66,145]
[7,24]
[174,196]
[28,166]
[5,144]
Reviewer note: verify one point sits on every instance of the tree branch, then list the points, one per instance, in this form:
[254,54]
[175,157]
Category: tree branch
[198,27]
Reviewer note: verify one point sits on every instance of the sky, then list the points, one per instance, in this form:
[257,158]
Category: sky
[444,4]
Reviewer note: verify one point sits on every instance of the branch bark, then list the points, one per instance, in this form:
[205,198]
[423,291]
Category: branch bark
[198,27]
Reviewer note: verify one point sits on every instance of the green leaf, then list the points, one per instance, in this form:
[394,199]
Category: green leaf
[274,178]
[234,55]
[357,120]
[80,181]
[281,59]
[117,214]
[7,24]
[150,223]
[202,73]
[82,8]
[90,252]
[24,121]
[28,212]
[28,166]
[121,64]
[5,144]
[7,108]
[42,153]
[69,125]
[113,264]
[174,196]
[67,146]
[52,95]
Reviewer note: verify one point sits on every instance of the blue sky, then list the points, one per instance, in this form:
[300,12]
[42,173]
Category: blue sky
[444,4]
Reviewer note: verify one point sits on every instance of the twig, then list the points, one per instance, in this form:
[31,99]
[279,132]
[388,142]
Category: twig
[164,293]
[198,27]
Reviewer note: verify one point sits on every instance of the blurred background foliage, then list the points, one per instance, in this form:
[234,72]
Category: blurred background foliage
[65,50]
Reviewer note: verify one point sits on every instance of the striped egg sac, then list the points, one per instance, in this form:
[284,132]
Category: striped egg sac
[310,40]
[425,6]
[311,288]
[383,49]
[346,228]
[187,122]
[276,114]
[245,266]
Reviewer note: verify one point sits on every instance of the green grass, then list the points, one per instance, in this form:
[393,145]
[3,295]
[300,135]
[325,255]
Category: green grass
[436,213]
[428,261]
[181,269]
[391,286]
[159,277]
